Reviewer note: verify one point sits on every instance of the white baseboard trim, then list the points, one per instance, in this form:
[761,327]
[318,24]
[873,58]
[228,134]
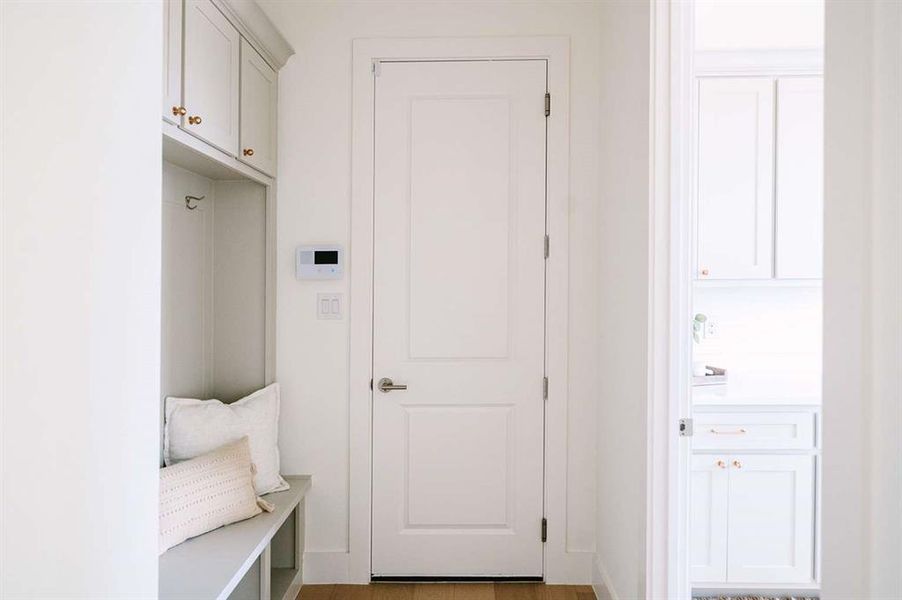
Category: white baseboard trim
[328,567]
[601,582]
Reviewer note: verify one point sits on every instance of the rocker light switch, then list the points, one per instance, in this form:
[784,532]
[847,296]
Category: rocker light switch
[328,306]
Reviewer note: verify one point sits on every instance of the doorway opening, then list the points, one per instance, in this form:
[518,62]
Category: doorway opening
[746,185]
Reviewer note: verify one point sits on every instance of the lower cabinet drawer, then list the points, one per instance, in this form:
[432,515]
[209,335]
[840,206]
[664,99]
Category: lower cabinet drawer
[752,431]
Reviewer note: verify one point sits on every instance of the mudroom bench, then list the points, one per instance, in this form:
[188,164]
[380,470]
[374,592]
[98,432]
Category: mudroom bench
[259,558]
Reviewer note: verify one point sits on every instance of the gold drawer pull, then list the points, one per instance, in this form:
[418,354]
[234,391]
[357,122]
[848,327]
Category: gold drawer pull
[737,432]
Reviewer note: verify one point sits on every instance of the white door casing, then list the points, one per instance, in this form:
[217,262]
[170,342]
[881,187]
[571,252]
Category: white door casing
[211,86]
[458,316]
[735,178]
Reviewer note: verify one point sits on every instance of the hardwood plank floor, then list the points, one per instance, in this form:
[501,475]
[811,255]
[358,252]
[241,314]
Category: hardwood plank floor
[447,591]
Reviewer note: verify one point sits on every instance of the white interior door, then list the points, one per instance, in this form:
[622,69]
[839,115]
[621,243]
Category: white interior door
[459,280]
[735,178]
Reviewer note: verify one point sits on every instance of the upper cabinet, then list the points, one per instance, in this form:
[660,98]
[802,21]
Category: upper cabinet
[259,89]
[212,53]
[759,212]
[800,178]
[219,78]
[735,178]
[172,61]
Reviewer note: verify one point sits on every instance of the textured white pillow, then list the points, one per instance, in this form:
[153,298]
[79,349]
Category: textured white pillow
[207,492]
[195,427]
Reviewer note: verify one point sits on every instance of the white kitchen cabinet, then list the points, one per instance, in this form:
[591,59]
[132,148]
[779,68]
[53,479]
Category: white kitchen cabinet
[770,536]
[212,55]
[172,60]
[735,207]
[259,89]
[708,518]
[752,519]
[800,178]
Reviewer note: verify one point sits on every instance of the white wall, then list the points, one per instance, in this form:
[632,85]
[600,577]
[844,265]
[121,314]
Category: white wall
[622,243]
[862,519]
[81,298]
[314,203]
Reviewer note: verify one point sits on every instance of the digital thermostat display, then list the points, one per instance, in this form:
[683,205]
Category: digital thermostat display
[319,262]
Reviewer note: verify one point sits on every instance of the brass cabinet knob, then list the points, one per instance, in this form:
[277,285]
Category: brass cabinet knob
[179,111]
[704,272]
[194,120]
[248,151]
[737,464]
[721,464]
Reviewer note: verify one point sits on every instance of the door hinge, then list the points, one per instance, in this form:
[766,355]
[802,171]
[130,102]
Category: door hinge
[544,388]
[685,427]
[544,530]
[377,68]
[371,385]
[547,104]
[547,246]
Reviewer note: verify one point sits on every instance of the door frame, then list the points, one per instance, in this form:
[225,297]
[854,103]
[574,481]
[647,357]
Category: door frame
[559,565]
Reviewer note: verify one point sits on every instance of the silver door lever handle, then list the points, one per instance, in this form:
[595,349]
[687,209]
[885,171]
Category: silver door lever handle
[387,385]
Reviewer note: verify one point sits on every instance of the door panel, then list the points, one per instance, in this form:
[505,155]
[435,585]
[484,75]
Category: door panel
[771,519]
[259,88]
[800,177]
[212,48]
[708,519]
[459,317]
[735,178]
[172,59]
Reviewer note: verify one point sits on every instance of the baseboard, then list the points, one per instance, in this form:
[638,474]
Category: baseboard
[327,567]
[601,582]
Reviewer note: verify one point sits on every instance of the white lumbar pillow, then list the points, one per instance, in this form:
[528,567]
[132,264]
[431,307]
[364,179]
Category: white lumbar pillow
[195,427]
[207,492]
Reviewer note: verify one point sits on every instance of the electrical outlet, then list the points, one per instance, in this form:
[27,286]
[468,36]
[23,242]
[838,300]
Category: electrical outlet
[711,328]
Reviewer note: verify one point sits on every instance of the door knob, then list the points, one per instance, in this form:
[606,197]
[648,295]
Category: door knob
[194,120]
[386,385]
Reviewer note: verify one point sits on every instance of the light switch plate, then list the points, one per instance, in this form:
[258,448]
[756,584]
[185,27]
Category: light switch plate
[328,306]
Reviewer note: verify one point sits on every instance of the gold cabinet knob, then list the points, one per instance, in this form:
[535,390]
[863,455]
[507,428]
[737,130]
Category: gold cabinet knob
[737,464]
[248,151]
[721,464]
[179,111]
[704,272]
[194,120]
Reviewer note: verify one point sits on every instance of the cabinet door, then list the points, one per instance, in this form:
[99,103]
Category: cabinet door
[771,519]
[800,177]
[735,178]
[259,89]
[172,60]
[212,49]
[708,519]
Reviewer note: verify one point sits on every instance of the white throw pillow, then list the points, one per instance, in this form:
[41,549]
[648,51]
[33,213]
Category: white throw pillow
[195,427]
[207,492]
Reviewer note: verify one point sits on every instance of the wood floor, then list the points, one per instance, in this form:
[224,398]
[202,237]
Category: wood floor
[447,591]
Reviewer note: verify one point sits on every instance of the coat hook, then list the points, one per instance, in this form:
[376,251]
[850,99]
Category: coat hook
[188,200]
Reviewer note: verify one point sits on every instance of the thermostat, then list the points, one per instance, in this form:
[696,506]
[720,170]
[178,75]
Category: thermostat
[319,262]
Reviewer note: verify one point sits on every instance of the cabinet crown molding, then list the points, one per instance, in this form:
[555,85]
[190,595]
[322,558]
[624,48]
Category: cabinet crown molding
[255,26]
